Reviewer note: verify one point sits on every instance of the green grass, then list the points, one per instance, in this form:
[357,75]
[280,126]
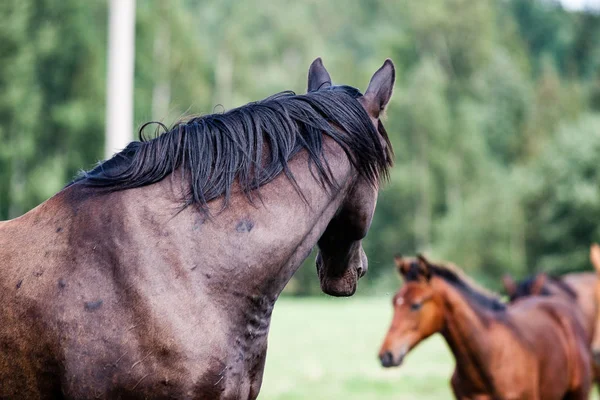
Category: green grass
[326,348]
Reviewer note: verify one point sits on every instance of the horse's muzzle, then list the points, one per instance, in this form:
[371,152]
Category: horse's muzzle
[340,281]
[387,359]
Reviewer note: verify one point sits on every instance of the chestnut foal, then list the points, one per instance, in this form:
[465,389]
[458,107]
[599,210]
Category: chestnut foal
[534,349]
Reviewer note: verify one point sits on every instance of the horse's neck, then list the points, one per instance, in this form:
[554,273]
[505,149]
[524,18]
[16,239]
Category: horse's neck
[467,334]
[246,249]
[232,266]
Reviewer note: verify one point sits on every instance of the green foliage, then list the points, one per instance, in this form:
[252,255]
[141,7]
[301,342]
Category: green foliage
[492,119]
[52,96]
[561,198]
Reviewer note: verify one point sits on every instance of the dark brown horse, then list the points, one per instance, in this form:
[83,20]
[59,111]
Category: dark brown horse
[154,275]
[533,349]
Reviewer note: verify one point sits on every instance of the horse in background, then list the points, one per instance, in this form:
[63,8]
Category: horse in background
[595,260]
[154,275]
[578,288]
[533,349]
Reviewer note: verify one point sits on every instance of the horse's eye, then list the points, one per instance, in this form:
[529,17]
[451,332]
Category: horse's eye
[415,306]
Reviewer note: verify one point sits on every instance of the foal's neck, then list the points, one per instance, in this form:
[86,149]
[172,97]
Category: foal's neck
[466,331]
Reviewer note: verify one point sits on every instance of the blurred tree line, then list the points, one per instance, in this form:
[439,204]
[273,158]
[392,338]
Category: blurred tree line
[495,119]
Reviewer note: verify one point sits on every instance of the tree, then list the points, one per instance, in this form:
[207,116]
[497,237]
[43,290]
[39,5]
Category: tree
[561,199]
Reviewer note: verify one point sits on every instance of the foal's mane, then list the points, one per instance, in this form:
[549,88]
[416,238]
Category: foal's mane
[453,275]
[250,146]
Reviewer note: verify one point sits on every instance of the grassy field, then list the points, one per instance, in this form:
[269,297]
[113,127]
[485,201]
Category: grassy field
[326,348]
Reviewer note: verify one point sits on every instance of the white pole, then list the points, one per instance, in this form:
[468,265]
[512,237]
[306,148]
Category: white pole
[119,90]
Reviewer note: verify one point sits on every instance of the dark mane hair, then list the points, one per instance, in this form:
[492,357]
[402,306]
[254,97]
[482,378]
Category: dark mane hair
[251,145]
[454,276]
[524,288]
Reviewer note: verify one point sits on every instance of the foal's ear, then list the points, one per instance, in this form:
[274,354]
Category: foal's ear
[510,286]
[380,89]
[424,269]
[401,266]
[538,284]
[318,77]
[595,256]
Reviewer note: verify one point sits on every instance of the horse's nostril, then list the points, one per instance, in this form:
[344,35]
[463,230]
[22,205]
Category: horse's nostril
[360,272]
[387,359]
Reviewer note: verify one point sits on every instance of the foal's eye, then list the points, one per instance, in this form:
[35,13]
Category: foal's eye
[415,306]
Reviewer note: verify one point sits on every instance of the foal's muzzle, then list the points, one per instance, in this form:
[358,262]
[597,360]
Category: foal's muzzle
[387,359]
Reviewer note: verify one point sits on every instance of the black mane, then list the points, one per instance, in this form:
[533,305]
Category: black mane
[251,145]
[453,278]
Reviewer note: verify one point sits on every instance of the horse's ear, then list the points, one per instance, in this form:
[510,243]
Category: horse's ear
[510,286]
[538,283]
[595,256]
[424,269]
[318,77]
[401,266]
[380,89]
